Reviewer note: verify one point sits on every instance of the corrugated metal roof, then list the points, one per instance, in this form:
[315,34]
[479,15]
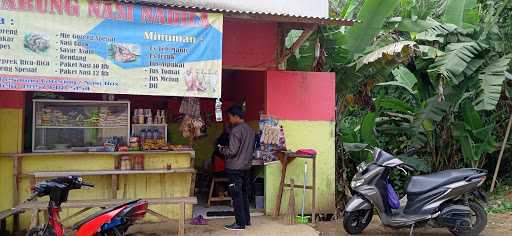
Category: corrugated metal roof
[253,15]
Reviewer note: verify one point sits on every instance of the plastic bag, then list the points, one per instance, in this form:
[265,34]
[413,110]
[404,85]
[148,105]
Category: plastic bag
[393,200]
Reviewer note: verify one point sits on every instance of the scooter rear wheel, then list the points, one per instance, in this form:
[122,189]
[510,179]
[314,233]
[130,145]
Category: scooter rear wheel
[355,222]
[478,221]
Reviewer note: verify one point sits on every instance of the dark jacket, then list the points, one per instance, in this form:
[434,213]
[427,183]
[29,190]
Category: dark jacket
[223,140]
[241,147]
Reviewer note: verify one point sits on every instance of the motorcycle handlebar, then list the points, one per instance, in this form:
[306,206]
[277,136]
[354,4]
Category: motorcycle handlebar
[408,167]
[88,185]
[32,197]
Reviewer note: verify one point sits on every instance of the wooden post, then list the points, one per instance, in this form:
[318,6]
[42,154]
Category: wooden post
[35,218]
[125,187]
[45,215]
[291,204]
[115,182]
[3,226]
[193,175]
[15,192]
[181,220]
[211,193]
[296,45]
[503,145]
[284,164]
[313,204]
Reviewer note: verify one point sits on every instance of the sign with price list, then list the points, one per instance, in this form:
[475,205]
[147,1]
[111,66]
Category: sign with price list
[109,47]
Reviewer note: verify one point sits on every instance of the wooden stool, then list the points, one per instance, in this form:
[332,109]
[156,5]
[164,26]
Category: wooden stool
[212,186]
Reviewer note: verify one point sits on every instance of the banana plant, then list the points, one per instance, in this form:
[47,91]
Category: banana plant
[358,136]
[475,138]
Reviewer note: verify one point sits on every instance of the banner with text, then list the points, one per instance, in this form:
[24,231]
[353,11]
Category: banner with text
[93,46]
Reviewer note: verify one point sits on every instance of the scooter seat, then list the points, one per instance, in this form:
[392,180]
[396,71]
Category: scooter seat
[99,213]
[425,183]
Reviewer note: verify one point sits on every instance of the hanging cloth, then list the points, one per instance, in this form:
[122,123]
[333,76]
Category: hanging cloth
[190,106]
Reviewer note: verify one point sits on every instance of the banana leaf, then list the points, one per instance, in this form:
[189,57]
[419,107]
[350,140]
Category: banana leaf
[372,16]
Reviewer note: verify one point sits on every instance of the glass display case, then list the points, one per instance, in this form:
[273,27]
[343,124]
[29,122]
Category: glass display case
[72,125]
[151,131]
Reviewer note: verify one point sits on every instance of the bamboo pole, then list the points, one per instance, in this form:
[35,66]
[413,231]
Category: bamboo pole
[501,154]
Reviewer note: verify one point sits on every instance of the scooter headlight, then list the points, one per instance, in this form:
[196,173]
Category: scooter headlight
[361,167]
[356,183]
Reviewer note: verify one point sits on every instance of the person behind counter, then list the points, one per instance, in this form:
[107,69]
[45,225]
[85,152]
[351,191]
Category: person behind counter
[218,161]
[238,165]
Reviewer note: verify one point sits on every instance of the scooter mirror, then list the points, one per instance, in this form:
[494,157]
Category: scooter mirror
[377,154]
[403,170]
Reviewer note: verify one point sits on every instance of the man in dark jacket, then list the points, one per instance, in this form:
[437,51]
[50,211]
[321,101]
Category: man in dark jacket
[238,165]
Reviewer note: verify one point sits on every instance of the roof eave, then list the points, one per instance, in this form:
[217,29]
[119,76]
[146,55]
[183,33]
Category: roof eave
[254,16]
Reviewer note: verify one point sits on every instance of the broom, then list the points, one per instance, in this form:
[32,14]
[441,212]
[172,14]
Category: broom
[304,219]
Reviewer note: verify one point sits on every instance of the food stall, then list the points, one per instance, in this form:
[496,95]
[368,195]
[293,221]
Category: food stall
[127,108]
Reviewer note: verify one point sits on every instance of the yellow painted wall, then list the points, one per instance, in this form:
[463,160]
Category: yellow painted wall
[137,186]
[318,135]
[11,130]
[11,133]
[6,183]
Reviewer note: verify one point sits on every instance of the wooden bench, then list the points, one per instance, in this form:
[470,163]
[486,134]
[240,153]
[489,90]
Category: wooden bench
[113,173]
[3,218]
[48,174]
[86,205]
[36,176]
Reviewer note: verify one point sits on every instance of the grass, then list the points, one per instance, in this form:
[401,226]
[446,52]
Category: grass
[501,200]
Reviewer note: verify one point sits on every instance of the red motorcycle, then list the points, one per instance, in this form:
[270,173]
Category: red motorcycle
[113,221]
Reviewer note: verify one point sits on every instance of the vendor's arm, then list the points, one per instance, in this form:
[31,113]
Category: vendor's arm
[234,145]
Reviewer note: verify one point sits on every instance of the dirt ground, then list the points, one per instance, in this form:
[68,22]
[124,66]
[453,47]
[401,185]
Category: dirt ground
[266,226]
[498,225]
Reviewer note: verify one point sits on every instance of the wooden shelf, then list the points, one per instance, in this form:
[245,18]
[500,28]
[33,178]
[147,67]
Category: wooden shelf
[45,174]
[41,154]
[104,203]
[220,199]
[81,127]
[149,124]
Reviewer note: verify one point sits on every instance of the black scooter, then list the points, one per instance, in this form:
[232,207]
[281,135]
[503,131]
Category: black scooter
[446,199]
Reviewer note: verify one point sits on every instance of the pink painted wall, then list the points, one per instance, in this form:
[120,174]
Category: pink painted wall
[301,95]
[249,44]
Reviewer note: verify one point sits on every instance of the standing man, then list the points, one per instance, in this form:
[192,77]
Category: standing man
[238,165]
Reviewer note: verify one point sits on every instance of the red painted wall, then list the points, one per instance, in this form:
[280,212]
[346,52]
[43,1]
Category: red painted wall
[248,86]
[249,44]
[301,95]
[12,99]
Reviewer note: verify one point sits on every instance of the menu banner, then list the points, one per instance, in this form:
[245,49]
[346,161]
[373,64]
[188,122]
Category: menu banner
[94,46]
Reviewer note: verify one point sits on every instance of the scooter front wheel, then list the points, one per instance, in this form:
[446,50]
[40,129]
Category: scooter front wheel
[37,231]
[34,232]
[356,221]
